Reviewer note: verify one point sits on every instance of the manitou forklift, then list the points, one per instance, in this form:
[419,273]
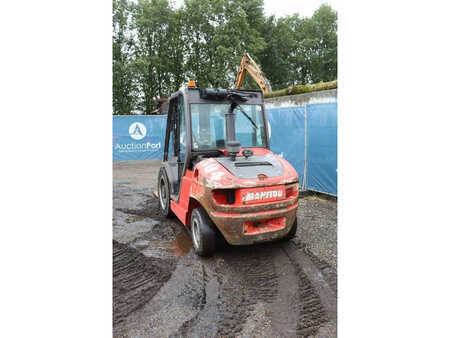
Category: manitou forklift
[218,173]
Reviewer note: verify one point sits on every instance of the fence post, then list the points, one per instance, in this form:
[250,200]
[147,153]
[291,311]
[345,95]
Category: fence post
[305,169]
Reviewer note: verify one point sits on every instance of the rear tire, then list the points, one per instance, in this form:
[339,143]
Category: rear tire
[164,193]
[202,232]
[292,232]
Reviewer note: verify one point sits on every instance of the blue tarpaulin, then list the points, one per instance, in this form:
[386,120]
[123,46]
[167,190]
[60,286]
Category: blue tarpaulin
[317,158]
[138,137]
[321,132]
[312,152]
[287,135]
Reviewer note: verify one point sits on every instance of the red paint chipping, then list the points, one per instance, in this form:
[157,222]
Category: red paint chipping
[267,225]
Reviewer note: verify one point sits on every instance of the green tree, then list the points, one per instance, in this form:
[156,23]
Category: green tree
[319,45]
[157,48]
[123,45]
[281,60]
[217,34]
[158,65]
[300,50]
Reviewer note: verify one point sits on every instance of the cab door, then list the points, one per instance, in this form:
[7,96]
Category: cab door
[175,145]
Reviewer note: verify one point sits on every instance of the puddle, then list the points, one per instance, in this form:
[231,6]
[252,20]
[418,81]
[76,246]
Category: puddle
[157,250]
[181,244]
[141,244]
[135,218]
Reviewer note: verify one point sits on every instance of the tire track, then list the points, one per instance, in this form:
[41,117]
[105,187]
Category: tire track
[136,279]
[251,291]
[319,303]
[177,302]
[267,290]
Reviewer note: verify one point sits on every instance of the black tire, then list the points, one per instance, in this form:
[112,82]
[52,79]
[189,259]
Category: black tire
[164,193]
[292,232]
[202,232]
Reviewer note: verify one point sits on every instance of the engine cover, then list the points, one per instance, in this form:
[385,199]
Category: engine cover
[253,166]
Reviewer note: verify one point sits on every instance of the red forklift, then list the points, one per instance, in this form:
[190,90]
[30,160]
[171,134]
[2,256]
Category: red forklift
[218,173]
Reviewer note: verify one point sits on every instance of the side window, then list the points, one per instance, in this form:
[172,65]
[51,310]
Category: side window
[182,128]
[172,114]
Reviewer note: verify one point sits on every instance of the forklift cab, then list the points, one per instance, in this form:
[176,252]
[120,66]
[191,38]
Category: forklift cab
[197,128]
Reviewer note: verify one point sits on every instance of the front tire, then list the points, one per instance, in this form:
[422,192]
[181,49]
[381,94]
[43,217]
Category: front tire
[164,193]
[203,234]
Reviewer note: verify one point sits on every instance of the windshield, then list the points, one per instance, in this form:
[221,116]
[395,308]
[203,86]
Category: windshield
[208,125]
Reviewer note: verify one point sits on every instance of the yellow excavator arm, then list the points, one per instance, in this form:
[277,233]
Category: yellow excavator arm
[250,66]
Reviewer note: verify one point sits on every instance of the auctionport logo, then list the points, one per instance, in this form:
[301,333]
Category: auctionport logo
[137,131]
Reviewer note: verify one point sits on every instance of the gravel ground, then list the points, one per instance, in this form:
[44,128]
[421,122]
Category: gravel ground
[161,288]
[317,217]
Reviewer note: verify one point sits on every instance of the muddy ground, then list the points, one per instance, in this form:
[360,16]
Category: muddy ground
[161,288]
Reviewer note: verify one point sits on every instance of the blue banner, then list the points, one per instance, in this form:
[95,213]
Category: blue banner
[321,172]
[287,135]
[138,137]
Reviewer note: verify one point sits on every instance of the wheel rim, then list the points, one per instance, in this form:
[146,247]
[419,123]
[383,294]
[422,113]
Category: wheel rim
[195,233]
[162,193]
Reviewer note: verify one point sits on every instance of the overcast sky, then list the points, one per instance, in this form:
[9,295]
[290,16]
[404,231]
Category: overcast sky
[284,7]
[303,7]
